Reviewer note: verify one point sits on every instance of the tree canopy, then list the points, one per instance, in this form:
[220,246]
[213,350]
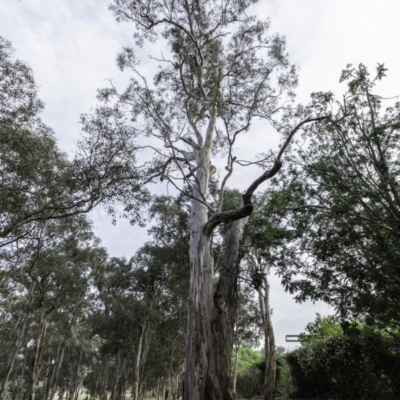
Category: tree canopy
[174,318]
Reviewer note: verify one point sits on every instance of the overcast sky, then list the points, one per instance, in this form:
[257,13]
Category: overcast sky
[71,46]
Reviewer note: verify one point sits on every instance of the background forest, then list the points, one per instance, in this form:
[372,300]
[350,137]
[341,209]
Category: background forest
[183,316]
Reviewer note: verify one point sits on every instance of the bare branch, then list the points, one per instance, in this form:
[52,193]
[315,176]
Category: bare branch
[247,208]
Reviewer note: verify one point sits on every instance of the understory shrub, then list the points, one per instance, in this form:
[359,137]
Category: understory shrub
[359,364]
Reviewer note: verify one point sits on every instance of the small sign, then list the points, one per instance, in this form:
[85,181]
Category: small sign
[293,338]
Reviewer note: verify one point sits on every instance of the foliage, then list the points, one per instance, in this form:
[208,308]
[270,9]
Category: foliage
[360,363]
[284,384]
[250,377]
[38,182]
[72,315]
[320,328]
[251,372]
[247,358]
[341,200]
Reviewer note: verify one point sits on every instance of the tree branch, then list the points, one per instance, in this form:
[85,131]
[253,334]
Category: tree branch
[247,208]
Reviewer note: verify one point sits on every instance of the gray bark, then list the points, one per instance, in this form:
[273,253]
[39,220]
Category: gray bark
[201,381]
[269,345]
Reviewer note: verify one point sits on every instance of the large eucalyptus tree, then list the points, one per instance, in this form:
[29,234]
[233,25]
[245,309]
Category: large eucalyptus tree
[220,71]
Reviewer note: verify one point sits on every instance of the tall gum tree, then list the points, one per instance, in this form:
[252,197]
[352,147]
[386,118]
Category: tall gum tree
[220,70]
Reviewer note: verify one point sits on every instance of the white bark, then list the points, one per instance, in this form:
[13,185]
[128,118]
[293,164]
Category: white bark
[269,344]
[136,370]
[235,371]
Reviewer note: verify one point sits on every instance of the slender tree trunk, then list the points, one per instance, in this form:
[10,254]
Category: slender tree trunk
[21,375]
[96,385]
[61,393]
[116,377]
[53,387]
[13,357]
[145,351]
[51,379]
[103,393]
[17,347]
[124,381]
[158,389]
[136,369]
[30,394]
[235,370]
[77,379]
[46,379]
[269,347]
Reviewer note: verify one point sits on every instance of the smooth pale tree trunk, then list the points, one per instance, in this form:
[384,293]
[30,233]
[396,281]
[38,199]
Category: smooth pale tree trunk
[145,351]
[17,347]
[136,369]
[34,372]
[158,389]
[103,393]
[21,375]
[235,371]
[13,357]
[116,377]
[59,361]
[211,315]
[201,371]
[201,381]
[51,378]
[269,346]
[46,380]
[77,378]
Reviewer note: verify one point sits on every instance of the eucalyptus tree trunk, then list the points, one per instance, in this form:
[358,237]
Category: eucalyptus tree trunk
[235,370]
[30,394]
[124,383]
[59,361]
[201,370]
[13,357]
[117,376]
[145,351]
[77,378]
[269,345]
[225,306]
[17,347]
[104,383]
[211,315]
[21,374]
[50,380]
[201,380]
[136,368]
